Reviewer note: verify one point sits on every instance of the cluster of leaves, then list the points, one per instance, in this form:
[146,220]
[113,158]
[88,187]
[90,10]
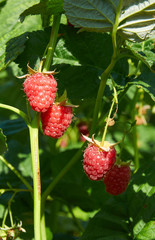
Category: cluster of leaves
[80,58]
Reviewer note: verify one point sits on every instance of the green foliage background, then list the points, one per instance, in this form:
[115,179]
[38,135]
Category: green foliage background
[80,58]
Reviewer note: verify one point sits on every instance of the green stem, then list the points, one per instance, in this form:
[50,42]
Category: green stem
[12,168]
[17,111]
[8,210]
[5,216]
[14,190]
[77,223]
[34,129]
[115,27]
[52,42]
[105,74]
[107,123]
[102,86]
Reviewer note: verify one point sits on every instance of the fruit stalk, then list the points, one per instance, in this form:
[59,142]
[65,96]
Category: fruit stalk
[34,129]
[107,122]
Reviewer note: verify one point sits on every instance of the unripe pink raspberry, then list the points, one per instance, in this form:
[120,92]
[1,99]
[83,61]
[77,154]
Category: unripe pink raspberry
[117,179]
[41,90]
[97,162]
[56,120]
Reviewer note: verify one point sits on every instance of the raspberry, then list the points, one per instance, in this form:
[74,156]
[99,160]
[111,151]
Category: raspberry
[56,120]
[117,179]
[41,91]
[97,161]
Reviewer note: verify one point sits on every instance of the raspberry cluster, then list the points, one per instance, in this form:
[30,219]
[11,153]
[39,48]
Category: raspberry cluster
[100,164]
[40,89]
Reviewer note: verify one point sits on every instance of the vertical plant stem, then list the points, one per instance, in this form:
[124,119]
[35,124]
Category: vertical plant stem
[34,129]
[52,42]
[102,86]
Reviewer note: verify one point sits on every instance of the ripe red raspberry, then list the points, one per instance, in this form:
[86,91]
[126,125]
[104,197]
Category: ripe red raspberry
[97,161]
[117,179]
[56,120]
[41,91]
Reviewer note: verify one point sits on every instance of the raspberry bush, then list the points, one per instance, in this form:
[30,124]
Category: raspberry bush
[55,56]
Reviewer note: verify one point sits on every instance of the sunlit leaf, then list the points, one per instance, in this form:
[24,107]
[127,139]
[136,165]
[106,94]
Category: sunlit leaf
[136,20]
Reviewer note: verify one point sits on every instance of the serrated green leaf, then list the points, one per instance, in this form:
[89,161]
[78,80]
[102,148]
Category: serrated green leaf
[97,15]
[3,144]
[136,21]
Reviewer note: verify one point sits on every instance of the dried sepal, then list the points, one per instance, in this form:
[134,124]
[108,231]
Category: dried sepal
[105,146]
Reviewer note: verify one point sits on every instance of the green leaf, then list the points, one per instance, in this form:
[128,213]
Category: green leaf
[11,46]
[3,144]
[12,32]
[79,59]
[141,197]
[145,81]
[77,91]
[148,232]
[46,7]
[11,13]
[144,51]
[136,21]
[108,224]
